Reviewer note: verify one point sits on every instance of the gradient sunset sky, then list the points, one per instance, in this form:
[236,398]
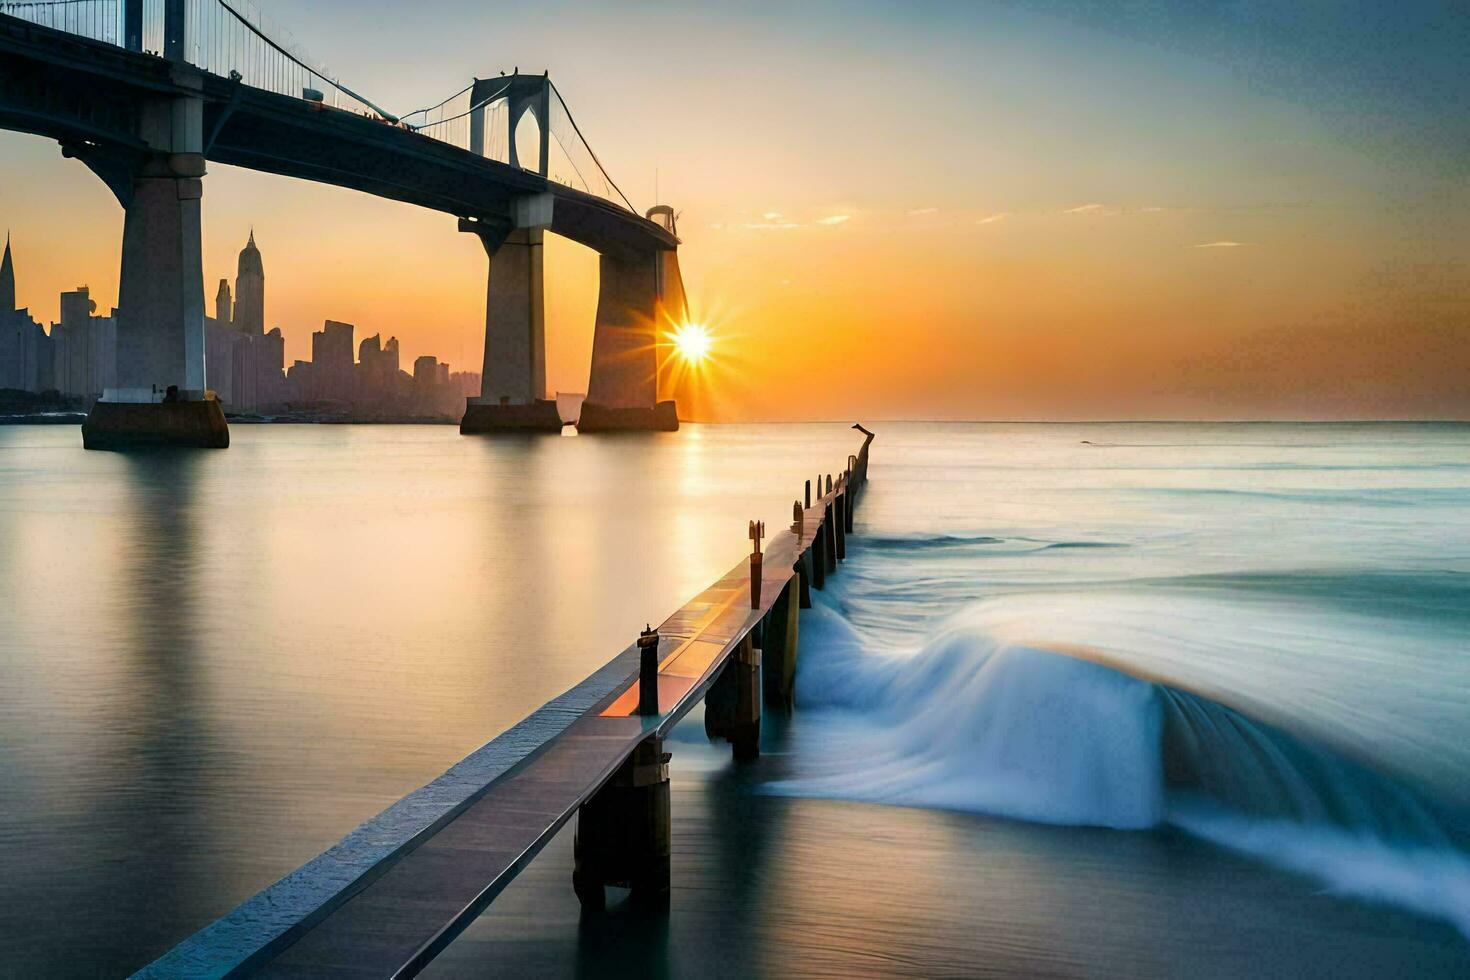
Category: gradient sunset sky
[933,210]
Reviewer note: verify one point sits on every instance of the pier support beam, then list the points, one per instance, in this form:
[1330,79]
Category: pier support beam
[803,570]
[622,390]
[513,378]
[829,540]
[778,647]
[624,835]
[839,526]
[732,708]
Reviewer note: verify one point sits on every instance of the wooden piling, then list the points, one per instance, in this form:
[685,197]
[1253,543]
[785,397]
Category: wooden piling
[839,534]
[829,543]
[803,579]
[778,652]
[818,553]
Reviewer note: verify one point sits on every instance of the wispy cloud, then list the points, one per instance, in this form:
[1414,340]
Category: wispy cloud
[993,218]
[924,211]
[1150,210]
[772,216]
[1085,209]
[771,225]
[835,219]
[1221,244]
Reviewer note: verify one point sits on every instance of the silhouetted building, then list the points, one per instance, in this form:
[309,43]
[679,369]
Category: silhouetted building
[84,346]
[224,304]
[377,371]
[331,373]
[243,363]
[27,354]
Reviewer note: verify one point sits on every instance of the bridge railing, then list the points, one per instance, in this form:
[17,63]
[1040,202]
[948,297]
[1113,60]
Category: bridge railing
[100,20]
[236,36]
[218,36]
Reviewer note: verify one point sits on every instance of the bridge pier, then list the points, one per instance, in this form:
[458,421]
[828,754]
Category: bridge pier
[622,390]
[513,380]
[160,397]
[624,831]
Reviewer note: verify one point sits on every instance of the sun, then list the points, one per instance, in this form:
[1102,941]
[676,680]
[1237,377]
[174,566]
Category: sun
[692,341]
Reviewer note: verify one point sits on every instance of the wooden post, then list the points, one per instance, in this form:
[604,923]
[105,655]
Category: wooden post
[624,831]
[648,671]
[809,493]
[829,482]
[798,519]
[757,531]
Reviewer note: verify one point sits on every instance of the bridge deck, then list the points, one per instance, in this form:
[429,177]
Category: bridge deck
[411,903]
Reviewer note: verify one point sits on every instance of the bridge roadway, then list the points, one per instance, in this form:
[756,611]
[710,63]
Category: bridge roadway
[388,914]
[85,93]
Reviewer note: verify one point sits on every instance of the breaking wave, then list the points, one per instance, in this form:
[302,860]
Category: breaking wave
[971,723]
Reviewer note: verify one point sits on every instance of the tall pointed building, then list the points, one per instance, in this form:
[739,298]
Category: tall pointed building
[27,353]
[250,290]
[7,281]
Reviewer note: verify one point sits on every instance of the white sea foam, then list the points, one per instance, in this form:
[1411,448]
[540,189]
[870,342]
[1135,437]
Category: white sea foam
[971,723]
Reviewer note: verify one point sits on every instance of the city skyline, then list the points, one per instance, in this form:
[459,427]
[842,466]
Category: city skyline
[245,363]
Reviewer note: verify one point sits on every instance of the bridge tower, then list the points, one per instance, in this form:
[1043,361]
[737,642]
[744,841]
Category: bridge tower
[160,397]
[513,379]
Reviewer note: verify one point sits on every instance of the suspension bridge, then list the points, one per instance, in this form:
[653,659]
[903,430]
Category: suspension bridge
[145,93]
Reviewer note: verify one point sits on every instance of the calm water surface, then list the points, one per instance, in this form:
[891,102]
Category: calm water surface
[1149,698]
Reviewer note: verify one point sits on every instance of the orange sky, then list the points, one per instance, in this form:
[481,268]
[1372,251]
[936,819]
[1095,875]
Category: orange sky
[891,213]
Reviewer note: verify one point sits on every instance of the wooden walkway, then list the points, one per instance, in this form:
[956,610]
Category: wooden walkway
[394,918]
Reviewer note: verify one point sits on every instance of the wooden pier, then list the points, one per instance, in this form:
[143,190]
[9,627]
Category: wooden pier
[395,893]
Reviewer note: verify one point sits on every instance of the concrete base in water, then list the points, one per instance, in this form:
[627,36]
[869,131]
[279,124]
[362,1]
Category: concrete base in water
[127,425]
[663,417]
[539,416]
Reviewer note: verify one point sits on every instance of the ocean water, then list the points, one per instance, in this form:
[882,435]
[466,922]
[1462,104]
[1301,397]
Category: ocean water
[1084,700]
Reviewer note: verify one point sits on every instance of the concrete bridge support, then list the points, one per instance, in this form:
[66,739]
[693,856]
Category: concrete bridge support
[160,398]
[513,381]
[636,295]
[624,832]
